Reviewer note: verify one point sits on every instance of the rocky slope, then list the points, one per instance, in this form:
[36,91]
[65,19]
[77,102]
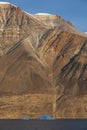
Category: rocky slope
[55,21]
[43,66]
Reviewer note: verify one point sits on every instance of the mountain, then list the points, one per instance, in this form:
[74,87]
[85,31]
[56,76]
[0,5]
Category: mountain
[43,66]
[55,21]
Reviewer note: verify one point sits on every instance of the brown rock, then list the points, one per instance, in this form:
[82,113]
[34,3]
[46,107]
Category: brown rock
[43,66]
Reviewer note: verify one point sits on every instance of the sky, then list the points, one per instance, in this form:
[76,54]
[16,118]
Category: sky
[74,11]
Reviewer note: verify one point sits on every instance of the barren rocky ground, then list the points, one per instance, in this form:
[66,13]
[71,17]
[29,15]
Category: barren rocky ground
[43,66]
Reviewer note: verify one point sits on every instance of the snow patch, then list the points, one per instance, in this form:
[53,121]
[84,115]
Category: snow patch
[27,13]
[85,32]
[5,3]
[42,14]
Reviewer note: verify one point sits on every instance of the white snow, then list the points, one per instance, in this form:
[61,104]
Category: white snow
[42,14]
[27,12]
[37,13]
[85,32]
[4,3]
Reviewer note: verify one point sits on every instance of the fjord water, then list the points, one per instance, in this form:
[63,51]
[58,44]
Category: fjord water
[43,125]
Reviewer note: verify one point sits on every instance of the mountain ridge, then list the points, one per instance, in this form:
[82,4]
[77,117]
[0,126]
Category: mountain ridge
[43,66]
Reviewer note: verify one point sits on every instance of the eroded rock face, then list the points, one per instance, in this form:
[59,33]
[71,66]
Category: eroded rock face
[15,25]
[55,21]
[43,66]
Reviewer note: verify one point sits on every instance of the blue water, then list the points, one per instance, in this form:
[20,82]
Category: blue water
[47,122]
[43,124]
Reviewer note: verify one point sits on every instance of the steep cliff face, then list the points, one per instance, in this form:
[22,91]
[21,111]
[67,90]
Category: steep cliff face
[15,25]
[74,74]
[43,65]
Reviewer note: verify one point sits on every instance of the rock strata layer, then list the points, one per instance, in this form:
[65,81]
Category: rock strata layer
[43,66]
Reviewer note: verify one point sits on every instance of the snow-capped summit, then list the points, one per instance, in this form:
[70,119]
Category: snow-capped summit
[4,2]
[42,14]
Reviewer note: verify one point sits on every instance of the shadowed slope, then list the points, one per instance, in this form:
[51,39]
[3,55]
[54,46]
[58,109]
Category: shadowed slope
[24,72]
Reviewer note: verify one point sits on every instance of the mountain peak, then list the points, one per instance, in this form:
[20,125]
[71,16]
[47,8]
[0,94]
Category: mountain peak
[43,66]
[6,3]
